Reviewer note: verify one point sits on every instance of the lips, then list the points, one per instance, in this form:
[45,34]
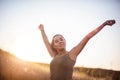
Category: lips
[61,44]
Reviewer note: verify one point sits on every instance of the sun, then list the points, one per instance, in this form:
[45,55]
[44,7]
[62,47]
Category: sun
[22,49]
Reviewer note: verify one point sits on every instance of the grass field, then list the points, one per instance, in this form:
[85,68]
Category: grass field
[12,68]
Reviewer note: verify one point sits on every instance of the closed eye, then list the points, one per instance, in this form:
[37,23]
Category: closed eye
[56,41]
[61,39]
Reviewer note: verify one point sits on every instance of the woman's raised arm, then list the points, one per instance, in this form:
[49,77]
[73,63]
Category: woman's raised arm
[77,49]
[46,41]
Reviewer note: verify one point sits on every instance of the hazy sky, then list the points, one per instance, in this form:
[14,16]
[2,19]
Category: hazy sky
[19,34]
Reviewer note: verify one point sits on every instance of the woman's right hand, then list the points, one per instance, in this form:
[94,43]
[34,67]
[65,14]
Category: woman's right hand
[41,27]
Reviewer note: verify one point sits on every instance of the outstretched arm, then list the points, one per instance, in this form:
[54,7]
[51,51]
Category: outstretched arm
[46,41]
[77,49]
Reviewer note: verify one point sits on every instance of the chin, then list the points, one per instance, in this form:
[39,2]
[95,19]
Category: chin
[62,48]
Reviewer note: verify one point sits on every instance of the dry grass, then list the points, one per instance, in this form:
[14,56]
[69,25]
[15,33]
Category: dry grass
[83,76]
[12,68]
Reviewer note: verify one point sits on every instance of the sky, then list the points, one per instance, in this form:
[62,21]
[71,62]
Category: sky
[19,33]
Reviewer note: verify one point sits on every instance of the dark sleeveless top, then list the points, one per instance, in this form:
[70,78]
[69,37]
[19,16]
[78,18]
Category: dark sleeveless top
[61,68]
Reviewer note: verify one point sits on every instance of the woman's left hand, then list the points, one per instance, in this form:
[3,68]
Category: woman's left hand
[109,22]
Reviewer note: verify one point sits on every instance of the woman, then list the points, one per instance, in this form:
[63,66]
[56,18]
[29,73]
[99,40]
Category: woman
[61,67]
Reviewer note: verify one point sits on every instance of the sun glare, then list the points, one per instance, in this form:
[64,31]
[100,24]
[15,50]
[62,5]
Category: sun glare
[22,50]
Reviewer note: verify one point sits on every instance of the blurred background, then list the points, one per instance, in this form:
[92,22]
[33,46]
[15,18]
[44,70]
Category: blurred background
[19,34]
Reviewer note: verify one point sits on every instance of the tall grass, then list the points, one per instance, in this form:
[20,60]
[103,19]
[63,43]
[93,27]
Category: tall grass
[12,68]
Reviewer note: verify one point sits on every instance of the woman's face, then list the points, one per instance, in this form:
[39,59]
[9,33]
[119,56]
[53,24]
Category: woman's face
[59,42]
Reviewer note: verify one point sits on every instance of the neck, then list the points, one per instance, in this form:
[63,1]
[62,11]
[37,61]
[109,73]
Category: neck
[61,52]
